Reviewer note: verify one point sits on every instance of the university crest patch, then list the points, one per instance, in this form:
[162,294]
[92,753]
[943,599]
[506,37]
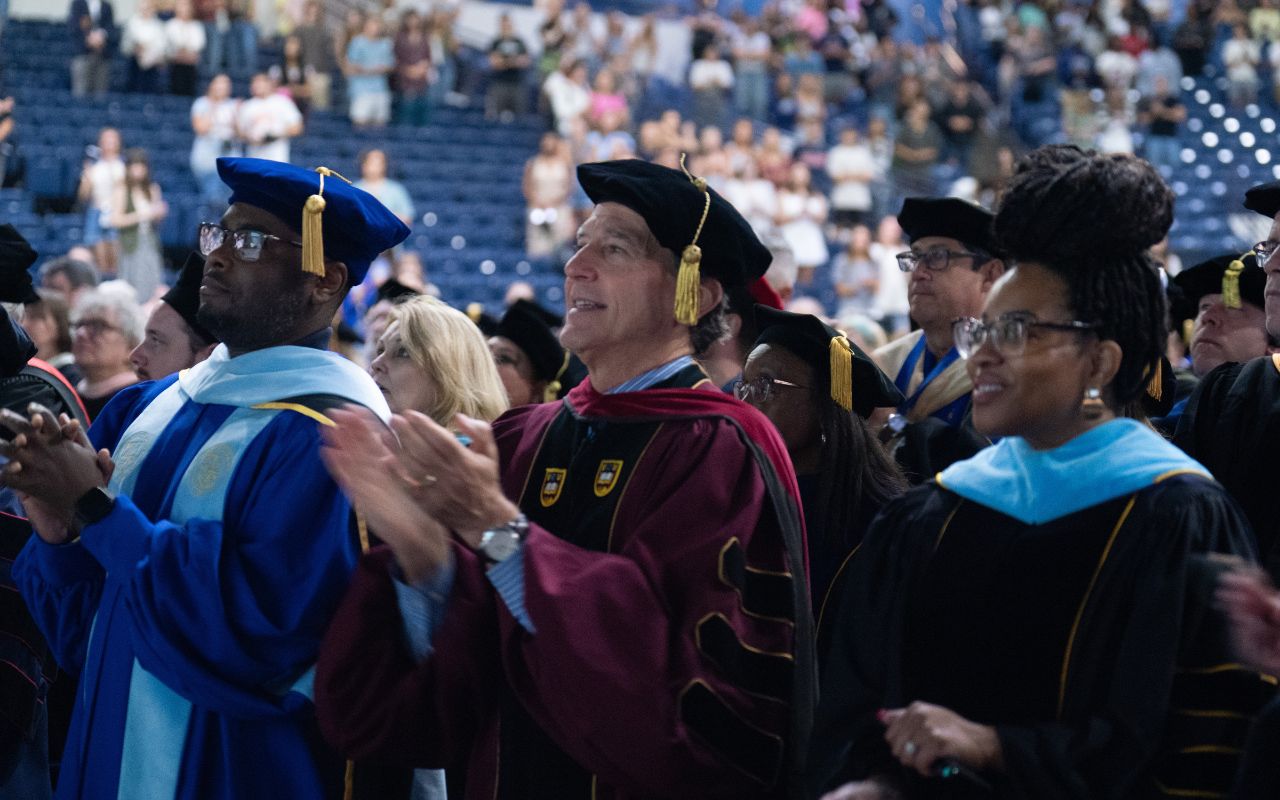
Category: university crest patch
[552,483]
[607,476]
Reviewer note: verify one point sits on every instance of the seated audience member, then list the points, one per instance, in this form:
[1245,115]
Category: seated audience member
[819,389]
[48,322]
[529,356]
[1084,530]
[106,324]
[174,339]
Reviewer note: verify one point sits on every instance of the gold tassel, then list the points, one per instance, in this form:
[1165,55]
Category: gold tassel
[689,277]
[1155,387]
[688,282]
[312,231]
[474,312]
[313,236]
[841,355]
[1188,328]
[552,392]
[1231,283]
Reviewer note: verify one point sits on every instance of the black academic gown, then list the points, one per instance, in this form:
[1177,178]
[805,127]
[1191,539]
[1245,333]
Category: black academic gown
[1064,636]
[1232,426]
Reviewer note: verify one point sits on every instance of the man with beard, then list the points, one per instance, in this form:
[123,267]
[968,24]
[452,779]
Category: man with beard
[174,338]
[1232,421]
[188,577]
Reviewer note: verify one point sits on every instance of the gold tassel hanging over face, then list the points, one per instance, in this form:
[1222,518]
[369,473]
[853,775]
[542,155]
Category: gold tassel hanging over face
[312,230]
[1231,283]
[841,355]
[689,277]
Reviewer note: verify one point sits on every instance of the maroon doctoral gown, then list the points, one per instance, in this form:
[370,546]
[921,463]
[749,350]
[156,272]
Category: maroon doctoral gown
[665,579]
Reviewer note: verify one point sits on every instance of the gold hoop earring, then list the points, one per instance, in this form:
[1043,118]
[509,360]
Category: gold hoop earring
[1092,406]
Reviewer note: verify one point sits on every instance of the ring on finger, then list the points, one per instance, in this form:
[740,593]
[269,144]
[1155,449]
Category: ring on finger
[429,479]
[909,749]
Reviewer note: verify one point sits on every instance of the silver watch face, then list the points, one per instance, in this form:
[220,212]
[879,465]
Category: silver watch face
[499,543]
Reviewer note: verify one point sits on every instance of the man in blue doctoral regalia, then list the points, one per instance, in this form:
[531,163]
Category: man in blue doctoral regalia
[189,582]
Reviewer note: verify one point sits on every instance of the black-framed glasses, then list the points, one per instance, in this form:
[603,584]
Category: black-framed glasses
[936,260]
[247,244]
[1008,333]
[1263,251]
[760,390]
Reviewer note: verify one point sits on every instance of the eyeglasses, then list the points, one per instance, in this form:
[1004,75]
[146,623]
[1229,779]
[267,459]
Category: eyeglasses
[1008,333]
[760,390]
[936,260]
[1263,251]
[93,327]
[246,244]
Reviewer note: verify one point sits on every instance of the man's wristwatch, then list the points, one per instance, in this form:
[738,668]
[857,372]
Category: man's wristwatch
[93,506]
[500,543]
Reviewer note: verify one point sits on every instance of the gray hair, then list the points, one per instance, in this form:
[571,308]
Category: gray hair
[123,309]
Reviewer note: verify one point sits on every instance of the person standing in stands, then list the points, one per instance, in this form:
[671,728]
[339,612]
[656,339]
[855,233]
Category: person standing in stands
[100,183]
[93,30]
[819,389]
[174,339]
[186,39]
[267,121]
[952,267]
[189,583]
[1231,423]
[1040,623]
[509,61]
[147,45]
[585,628]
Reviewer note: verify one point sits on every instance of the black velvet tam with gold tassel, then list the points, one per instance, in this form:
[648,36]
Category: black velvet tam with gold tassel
[700,228]
[857,384]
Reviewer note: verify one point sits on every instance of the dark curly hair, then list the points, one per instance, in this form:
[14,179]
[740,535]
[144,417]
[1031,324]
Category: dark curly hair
[1091,219]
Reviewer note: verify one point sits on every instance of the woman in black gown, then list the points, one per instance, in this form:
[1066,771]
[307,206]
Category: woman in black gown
[844,474]
[1027,625]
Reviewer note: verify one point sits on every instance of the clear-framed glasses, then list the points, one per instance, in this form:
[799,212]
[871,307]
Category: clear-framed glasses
[246,244]
[936,260]
[760,390]
[1263,251]
[1008,333]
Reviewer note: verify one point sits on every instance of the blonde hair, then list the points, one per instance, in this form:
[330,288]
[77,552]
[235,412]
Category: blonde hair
[449,347]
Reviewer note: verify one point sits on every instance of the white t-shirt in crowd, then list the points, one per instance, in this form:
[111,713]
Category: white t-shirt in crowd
[146,37]
[105,176]
[850,194]
[268,117]
[184,35]
[705,74]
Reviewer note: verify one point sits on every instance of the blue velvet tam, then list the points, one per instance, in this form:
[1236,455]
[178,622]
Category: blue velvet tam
[353,226]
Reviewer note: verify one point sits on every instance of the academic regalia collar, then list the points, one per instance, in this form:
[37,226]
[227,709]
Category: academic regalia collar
[277,373]
[1038,486]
